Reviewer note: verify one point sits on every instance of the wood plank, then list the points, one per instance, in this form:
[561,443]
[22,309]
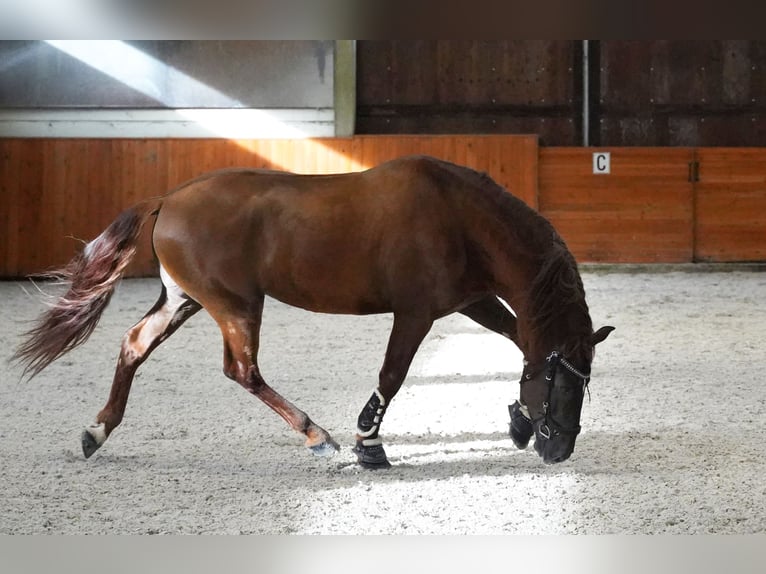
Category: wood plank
[644,211]
[54,188]
[641,212]
[730,205]
[18,178]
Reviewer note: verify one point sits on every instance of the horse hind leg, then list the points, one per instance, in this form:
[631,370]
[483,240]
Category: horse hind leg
[170,311]
[241,341]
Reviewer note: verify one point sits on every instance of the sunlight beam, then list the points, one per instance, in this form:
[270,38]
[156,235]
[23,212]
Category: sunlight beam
[147,75]
[468,354]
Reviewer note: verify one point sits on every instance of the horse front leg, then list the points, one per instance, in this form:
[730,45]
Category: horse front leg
[241,340]
[493,315]
[406,335]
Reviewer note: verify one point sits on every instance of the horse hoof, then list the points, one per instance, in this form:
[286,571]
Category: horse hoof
[520,439]
[324,449]
[89,444]
[371,457]
[92,438]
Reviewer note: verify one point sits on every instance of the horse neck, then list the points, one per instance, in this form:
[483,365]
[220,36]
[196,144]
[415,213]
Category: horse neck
[566,330]
[533,271]
[556,313]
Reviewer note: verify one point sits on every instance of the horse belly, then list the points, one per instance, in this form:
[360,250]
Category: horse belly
[325,281]
[363,277]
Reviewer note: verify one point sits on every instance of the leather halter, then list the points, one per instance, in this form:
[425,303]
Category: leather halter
[548,426]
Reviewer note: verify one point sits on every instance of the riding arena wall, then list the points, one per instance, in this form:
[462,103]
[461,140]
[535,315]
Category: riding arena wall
[655,204]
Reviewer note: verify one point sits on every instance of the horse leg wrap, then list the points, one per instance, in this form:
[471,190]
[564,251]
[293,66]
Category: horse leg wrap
[521,425]
[370,418]
[369,446]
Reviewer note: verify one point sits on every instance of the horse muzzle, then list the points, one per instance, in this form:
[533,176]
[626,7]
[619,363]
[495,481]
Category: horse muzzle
[552,447]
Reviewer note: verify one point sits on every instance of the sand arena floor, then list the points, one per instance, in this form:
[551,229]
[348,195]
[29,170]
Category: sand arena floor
[673,440]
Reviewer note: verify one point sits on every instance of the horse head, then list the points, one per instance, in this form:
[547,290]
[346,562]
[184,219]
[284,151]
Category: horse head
[551,400]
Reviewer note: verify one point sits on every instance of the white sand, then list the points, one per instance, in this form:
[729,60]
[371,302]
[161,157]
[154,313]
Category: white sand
[673,441]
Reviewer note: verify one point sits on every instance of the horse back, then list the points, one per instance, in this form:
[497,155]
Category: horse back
[366,242]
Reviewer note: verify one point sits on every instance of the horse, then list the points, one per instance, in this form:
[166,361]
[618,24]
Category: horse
[417,237]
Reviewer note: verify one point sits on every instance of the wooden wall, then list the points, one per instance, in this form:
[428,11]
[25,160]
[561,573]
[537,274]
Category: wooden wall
[691,93]
[641,212]
[654,206]
[678,93]
[658,205]
[730,205]
[54,190]
[470,86]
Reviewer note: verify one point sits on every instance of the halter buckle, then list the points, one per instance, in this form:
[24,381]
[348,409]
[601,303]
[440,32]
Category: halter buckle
[553,362]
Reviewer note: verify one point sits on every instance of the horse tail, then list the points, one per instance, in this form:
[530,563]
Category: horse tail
[92,276]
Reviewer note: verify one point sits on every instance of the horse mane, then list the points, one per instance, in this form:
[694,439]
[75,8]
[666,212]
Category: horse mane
[556,301]
[529,233]
[556,297]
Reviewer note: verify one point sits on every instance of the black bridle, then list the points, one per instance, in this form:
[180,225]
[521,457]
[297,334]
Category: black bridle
[546,425]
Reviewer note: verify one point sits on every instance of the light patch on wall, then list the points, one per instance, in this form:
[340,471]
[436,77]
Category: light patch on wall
[145,74]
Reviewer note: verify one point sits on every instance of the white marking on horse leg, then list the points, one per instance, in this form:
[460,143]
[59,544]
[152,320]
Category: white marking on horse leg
[154,325]
[176,296]
[242,372]
[98,432]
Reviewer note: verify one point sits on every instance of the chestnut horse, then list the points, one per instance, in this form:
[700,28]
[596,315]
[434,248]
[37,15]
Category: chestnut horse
[417,237]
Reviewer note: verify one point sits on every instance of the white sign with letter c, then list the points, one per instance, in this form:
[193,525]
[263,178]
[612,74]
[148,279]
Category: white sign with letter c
[601,162]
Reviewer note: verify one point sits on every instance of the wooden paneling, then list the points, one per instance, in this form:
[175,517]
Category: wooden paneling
[730,222]
[680,93]
[686,93]
[645,210]
[53,190]
[639,213]
[470,86]
[714,74]
[465,72]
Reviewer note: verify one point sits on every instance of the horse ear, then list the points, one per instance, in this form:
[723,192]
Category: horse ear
[600,335]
